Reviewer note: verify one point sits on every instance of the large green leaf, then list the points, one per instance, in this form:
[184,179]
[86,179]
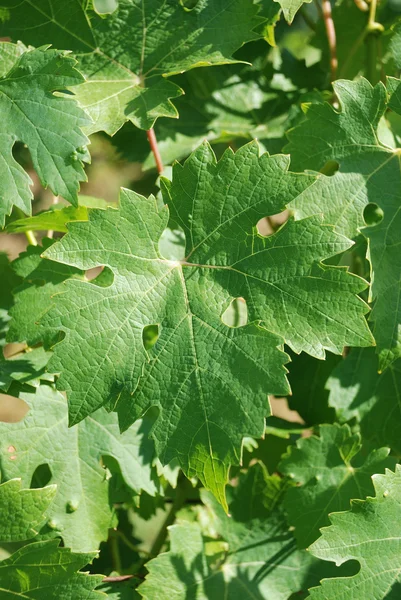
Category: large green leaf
[80,512]
[369,533]
[358,390]
[42,570]
[9,280]
[260,559]
[23,511]
[330,473]
[48,123]
[34,298]
[127,56]
[217,375]
[369,172]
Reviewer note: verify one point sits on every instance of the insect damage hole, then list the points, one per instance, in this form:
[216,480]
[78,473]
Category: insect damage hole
[41,476]
[150,335]
[269,225]
[372,214]
[236,314]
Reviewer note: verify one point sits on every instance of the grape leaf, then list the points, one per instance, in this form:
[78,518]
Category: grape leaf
[291,7]
[80,512]
[48,123]
[9,280]
[32,299]
[24,511]
[25,367]
[261,560]
[128,56]
[42,570]
[220,396]
[368,533]
[358,390]
[56,218]
[331,474]
[369,173]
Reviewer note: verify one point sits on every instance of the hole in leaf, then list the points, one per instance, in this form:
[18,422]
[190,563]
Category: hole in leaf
[269,225]
[373,214]
[101,276]
[150,335]
[330,168]
[105,7]
[172,244]
[12,410]
[236,315]
[41,476]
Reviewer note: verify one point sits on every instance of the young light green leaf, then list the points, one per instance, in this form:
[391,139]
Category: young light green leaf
[127,56]
[368,533]
[358,390]
[369,172]
[49,124]
[80,513]
[23,511]
[42,570]
[218,375]
[34,298]
[330,475]
[261,559]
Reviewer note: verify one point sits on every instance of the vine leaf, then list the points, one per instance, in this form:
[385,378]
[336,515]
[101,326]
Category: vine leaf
[43,570]
[49,124]
[358,391]
[217,376]
[369,172]
[34,297]
[9,281]
[128,56]
[368,533]
[27,509]
[291,7]
[80,513]
[331,474]
[25,367]
[259,557]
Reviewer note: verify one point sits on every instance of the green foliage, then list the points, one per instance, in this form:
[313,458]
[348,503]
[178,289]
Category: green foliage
[44,569]
[27,508]
[201,371]
[369,534]
[33,113]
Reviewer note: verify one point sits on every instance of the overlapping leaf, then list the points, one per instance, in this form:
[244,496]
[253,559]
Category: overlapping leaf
[49,124]
[261,559]
[25,367]
[42,570]
[80,512]
[369,172]
[217,376]
[32,300]
[358,390]
[127,56]
[331,474]
[23,511]
[369,533]
[9,280]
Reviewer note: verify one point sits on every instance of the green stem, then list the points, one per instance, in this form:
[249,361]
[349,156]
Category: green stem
[179,500]
[30,236]
[115,552]
[372,30]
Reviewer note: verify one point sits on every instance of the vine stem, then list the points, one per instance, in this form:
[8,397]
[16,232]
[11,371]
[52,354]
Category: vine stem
[179,500]
[372,29]
[155,149]
[331,38]
[30,236]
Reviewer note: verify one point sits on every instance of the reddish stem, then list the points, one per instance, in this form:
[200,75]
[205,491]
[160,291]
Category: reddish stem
[331,38]
[155,149]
